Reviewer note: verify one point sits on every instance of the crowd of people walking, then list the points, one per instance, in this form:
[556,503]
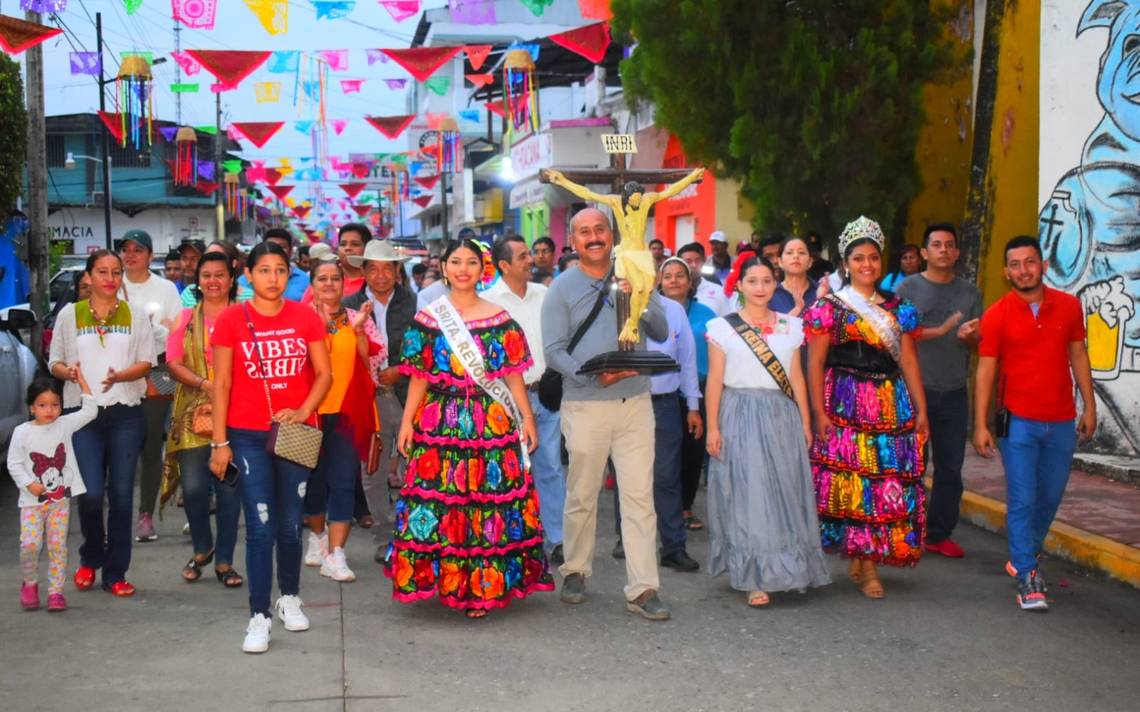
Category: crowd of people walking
[356,391]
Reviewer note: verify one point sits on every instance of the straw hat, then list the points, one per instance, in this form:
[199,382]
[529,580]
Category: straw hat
[377,251]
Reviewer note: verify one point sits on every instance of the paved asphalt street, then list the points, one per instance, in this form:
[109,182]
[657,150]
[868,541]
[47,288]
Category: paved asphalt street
[947,637]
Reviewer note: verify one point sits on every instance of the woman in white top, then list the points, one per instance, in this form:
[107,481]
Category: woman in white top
[117,350]
[763,528]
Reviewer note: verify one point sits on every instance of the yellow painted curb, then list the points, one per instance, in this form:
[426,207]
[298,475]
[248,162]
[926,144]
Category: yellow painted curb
[1119,561]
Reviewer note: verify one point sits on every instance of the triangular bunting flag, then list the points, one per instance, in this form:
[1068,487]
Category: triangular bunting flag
[590,41]
[428,182]
[352,189]
[272,175]
[477,55]
[302,211]
[258,132]
[206,187]
[401,10]
[595,9]
[362,210]
[361,170]
[496,107]
[536,6]
[438,85]
[229,66]
[280,190]
[114,124]
[168,132]
[390,126]
[421,62]
[17,35]
[423,201]
[480,80]
[339,125]
[272,14]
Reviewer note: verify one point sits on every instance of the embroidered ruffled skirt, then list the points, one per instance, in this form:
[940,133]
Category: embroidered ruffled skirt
[868,473]
[467,524]
[762,521]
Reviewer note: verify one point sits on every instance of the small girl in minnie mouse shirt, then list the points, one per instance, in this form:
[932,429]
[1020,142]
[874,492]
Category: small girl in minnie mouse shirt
[42,463]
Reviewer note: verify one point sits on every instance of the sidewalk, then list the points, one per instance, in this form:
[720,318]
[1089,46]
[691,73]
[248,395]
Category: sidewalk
[1097,526]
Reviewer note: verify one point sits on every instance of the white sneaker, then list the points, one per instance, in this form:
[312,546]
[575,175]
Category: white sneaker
[289,611]
[317,549]
[336,567]
[257,634]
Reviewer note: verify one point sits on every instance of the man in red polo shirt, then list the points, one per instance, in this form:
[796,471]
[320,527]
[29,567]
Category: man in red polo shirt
[1033,338]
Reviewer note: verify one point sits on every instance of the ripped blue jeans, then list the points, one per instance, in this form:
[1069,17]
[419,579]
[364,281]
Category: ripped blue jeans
[272,491]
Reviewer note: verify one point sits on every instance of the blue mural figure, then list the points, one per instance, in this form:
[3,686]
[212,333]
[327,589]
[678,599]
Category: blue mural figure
[14,286]
[1090,228]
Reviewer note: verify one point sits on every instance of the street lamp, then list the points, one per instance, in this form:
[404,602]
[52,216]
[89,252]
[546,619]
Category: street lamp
[69,163]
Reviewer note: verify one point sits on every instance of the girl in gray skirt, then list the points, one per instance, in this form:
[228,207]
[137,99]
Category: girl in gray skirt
[762,516]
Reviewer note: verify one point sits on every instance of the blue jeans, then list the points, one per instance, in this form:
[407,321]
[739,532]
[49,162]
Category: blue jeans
[332,486]
[197,483]
[548,473]
[668,433]
[1037,457]
[948,413]
[107,452]
[272,492]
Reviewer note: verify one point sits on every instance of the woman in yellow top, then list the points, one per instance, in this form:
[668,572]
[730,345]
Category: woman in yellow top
[348,420]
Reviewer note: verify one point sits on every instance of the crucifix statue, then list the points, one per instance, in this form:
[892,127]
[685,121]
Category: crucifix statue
[630,204]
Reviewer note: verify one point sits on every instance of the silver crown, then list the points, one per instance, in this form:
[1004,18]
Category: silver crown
[863,228]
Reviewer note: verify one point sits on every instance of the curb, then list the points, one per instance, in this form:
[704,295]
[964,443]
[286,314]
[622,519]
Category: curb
[1120,561]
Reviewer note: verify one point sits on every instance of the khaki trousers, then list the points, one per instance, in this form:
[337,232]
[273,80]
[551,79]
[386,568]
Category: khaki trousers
[595,431]
[376,485]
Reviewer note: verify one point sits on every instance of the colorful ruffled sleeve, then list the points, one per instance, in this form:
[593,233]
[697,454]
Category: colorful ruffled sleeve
[819,319]
[908,315]
[507,350]
[416,359]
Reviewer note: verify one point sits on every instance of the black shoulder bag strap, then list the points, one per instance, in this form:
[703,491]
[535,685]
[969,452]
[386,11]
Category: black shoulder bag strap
[585,325]
[763,353]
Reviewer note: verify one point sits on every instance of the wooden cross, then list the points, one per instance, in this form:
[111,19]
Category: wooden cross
[617,175]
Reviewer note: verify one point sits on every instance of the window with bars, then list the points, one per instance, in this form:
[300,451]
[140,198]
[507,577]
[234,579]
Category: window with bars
[129,157]
[56,151]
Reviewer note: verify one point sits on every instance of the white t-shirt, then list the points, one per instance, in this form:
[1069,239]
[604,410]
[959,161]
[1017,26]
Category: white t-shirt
[43,454]
[741,367]
[712,296]
[159,300]
[528,313]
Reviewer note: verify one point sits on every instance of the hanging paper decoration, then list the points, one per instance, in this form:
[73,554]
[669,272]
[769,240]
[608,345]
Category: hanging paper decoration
[396,83]
[471,115]
[147,55]
[303,126]
[233,188]
[132,6]
[428,182]
[595,9]
[520,92]
[134,88]
[351,86]
[168,133]
[43,6]
[257,132]
[480,80]
[281,191]
[438,85]
[333,9]
[184,88]
[337,58]
[536,6]
[283,62]
[195,14]
[229,66]
[361,170]
[590,41]
[85,63]
[185,156]
[187,63]
[338,126]
[206,187]
[206,170]
[390,126]
[450,157]
[375,55]
[421,62]
[207,129]
[496,107]
[312,89]
[401,10]
[272,14]
[352,189]
[233,165]
[267,92]
[423,201]
[17,35]
[272,176]
[362,210]
[473,12]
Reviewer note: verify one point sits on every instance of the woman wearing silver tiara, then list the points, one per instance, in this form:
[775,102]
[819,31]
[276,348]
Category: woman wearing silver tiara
[763,528]
[870,416]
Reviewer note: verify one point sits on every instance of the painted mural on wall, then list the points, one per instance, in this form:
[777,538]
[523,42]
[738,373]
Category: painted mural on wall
[1090,224]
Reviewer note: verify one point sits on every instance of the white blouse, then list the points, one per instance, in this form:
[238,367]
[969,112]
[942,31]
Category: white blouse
[741,367]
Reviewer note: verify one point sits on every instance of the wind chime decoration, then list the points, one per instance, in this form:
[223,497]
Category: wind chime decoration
[450,156]
[234,197]
[520,91]
[135,101]
[186,156]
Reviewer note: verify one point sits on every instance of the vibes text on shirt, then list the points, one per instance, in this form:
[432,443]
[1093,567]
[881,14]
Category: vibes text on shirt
[282,353]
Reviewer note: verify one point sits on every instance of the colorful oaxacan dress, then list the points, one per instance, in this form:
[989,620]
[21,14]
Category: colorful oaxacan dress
[868,474]
[467,526]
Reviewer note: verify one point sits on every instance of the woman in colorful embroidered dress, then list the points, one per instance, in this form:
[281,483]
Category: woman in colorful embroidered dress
[467,527]
[870,417]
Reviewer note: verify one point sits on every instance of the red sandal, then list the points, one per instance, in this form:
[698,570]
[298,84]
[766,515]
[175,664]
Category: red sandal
[84,578]
[122,589]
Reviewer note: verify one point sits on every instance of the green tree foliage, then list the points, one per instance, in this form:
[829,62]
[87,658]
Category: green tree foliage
[815,105]
[13,129]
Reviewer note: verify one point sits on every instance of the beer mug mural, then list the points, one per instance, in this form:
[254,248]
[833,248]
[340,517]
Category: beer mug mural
[1090,228]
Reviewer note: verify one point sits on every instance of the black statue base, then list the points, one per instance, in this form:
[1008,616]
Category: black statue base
[646,363]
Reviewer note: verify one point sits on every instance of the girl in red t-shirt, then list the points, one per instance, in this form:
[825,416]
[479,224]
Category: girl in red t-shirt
[270,364]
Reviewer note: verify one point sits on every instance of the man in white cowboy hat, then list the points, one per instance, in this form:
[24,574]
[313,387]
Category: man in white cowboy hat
[393,307]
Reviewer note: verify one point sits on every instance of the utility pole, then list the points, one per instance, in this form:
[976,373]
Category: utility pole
[106,165]
[178,76]
[37,188]
[219,207]
[443,204]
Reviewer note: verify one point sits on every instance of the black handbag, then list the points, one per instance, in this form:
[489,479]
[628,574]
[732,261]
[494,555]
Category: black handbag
[550,384]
